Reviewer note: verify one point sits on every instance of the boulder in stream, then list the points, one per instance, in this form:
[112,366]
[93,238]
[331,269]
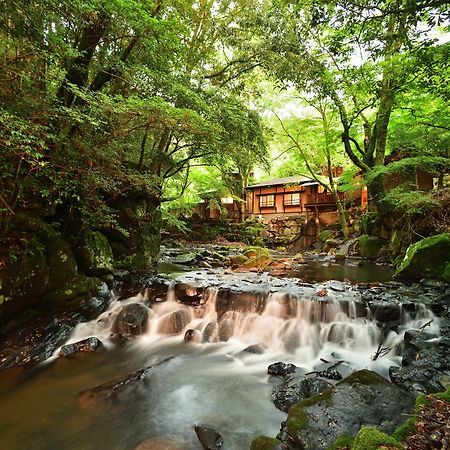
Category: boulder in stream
[281,369]
[131,321]
[208,437]
[119,391]
[88,345]
[294,389]
[425,361]
[428,258]
[361,399]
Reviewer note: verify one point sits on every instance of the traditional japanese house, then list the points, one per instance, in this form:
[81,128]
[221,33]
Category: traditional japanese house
[289,196]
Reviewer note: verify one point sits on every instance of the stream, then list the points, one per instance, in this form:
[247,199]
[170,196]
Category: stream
[236,326]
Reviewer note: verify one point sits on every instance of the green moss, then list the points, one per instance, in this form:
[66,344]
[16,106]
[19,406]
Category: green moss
[325,235]
[363,377]
[369,246]
[404,430]
[297,419]
[443,395]
[264,443]
[342,441]
[371,439]
[238,259]
[429,258]
[253,251]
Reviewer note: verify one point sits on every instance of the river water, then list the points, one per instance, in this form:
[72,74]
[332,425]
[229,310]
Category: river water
[208,380]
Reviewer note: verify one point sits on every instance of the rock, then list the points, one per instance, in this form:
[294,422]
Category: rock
[226,328]
[188,294]
[238,260]
[325,235]
[361,399]
[208,437]
[193,336]
[94,254]
[428,258]
[210,332]
[175,322]
[85,346]
[186,258]
[369,246]
[339,257]
[162,443]
[330,244]
[385,312]
[281,369]
[251,252]
[255,349]
[104,394]
[23,280]
[294,389]
[131,320]
[425,361]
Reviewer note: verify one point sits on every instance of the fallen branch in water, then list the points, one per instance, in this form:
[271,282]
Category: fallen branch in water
[425,325]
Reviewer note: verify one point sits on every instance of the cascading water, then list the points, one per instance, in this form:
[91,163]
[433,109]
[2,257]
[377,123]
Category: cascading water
[221,342]
[297,330]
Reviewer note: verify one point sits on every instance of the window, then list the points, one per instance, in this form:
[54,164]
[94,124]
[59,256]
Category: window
[291,199]
[266,201]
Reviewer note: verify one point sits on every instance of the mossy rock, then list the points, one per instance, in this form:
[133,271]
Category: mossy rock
[364,399]
[372,439]
[370,246]
[80,287]
[94,255]
[238,260]
[343,441]
[60,259]
[23,280]
[251,252]
[264,443]
[428,258]
[257,262]
[325,235]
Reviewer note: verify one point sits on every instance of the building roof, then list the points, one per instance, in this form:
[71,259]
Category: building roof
[285,180]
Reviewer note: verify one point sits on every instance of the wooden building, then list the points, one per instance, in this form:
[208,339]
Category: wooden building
[288,196]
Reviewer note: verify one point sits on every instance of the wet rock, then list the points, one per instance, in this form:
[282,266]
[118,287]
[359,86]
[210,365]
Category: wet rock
[174,322]
[361,399]
[208,437]
[120,391]
[193,336]
[226,328]
[255,349]
[281,369]
[186,258]
[162,443]
[385,312]
[188,294]
[228,300]
[131,321]
[425,361]
[210,332]
[370,246]
[294,389]
[428,258]
[85,346]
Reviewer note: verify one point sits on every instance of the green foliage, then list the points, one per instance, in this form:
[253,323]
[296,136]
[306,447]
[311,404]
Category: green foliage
[343,441]
[372,439]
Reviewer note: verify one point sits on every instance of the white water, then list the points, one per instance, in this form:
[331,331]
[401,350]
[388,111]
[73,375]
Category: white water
[290,329]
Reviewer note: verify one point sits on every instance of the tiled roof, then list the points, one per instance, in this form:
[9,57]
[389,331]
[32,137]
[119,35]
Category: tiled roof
[285,180]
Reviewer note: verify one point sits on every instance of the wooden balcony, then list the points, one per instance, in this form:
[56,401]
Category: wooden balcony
[325,198]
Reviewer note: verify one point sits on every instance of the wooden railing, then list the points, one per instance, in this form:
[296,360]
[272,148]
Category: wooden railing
[324,197]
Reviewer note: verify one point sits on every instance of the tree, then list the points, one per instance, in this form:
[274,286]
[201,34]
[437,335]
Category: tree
[314,141]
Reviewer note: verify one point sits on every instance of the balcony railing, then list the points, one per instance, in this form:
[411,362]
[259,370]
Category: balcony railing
[324,197]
